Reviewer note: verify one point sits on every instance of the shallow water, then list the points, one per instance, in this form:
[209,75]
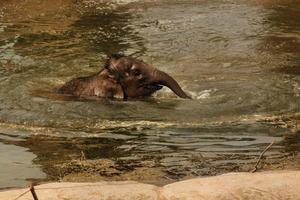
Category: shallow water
[238,60]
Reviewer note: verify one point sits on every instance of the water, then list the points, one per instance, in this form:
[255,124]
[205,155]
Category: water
[238,60]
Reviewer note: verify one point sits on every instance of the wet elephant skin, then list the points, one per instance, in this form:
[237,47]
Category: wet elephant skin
[123,77]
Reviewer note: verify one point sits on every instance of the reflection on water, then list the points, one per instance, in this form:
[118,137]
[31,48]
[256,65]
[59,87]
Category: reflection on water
[238,60]
[16,165]
[204,150]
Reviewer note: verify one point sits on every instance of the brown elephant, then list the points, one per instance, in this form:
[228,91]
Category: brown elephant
[123,77]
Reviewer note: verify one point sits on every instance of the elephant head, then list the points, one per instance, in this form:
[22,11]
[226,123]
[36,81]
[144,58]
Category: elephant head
[139,79]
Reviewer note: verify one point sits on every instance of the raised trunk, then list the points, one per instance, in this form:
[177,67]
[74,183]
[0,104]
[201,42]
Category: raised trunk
[163,78]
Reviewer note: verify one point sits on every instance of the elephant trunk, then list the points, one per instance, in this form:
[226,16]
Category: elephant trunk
[163,78]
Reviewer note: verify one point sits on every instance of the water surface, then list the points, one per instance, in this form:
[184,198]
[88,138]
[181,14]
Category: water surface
[238,60]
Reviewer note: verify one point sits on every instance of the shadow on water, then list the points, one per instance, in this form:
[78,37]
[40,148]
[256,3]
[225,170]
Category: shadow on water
[109,32]
[283,38]
[90,36]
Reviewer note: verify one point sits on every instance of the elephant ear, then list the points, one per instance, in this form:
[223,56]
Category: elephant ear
[111,67]
[113,72]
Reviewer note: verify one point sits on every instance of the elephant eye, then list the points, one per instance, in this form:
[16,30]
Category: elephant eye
[136,73]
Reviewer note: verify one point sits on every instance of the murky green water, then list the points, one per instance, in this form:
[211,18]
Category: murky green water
[239,61]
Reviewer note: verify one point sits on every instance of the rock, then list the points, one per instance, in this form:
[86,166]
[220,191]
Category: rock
[259,186]
[125,190]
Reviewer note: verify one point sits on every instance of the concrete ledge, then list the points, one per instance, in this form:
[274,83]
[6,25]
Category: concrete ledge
[268,185]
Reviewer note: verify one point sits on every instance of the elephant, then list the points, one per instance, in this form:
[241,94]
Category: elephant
[122,77]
